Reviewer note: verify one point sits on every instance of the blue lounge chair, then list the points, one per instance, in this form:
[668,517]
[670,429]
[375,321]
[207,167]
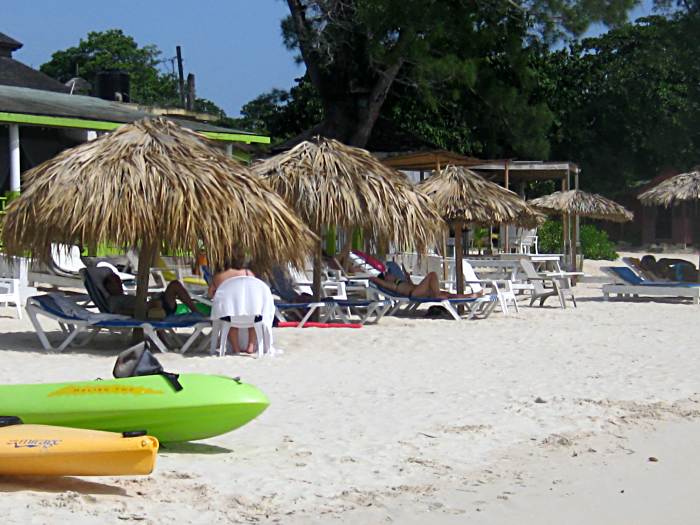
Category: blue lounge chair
[627,283]
[477,307]
[75,320]
[330,308]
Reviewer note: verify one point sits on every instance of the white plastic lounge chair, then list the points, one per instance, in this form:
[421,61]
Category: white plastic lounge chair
[626,283]
[560,285]
[503,288]
[9,293]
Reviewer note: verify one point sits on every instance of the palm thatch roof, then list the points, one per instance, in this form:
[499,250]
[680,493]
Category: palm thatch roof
[462,195]
[153,183]
[577,202]
[683,187]
[329,183]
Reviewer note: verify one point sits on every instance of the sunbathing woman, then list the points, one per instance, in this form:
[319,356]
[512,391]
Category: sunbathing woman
[428,288]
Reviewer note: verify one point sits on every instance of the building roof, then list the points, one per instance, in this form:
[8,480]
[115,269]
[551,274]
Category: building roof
[427,160]
[14,73]
[46,108]
[525,170]
[9,43]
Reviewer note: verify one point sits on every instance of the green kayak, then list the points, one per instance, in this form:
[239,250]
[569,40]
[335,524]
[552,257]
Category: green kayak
[207,405]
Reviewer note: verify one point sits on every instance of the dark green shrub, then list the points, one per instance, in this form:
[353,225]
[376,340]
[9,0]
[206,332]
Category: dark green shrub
[549,237]
[594,242]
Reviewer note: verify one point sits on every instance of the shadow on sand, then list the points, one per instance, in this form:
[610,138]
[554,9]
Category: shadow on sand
[192,448]
[57,484]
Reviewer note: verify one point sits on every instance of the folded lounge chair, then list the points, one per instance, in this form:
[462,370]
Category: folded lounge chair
[627,283]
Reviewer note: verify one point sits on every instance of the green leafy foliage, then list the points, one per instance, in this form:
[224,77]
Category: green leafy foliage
[626,104]
[595,243]
[469,55]
[549,237]
[282,114]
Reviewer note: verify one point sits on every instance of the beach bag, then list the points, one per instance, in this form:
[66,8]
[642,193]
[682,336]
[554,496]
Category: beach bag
[141,362]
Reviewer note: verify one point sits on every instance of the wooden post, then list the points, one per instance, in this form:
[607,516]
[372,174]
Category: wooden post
[574,242]
[146,256]
[180,76]
[505,242]
[459,270]
[459,255]
[565,223]
[14,159]
[318,262]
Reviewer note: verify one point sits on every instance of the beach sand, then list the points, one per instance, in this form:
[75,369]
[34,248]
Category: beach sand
[546,416]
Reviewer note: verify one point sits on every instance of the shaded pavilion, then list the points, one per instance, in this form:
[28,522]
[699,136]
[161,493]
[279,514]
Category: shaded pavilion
[152,185]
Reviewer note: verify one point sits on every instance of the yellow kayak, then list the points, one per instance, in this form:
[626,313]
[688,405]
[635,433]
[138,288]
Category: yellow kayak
[59,451]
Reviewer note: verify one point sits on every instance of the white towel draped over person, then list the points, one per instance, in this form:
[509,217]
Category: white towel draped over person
[241,300]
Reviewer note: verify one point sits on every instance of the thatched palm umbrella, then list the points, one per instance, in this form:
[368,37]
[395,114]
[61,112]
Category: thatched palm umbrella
[673,191]
[329,183]
[151,184]
[463,196]
[580,203]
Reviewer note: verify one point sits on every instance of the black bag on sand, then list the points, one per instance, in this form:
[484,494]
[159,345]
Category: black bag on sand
[141,362]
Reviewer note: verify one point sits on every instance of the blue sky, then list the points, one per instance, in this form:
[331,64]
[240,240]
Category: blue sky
[234,47]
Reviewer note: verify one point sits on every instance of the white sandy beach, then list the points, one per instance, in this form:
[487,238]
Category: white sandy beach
[547,416]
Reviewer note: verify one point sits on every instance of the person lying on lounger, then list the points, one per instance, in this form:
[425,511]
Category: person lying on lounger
[428,288]
[121,303]
[666,269]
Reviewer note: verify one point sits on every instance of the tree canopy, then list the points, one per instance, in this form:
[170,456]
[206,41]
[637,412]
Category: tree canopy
[627,103]
[355,51]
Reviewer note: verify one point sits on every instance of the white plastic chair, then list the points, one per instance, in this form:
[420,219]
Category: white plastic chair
[243,302]
[9,293]
[503,288]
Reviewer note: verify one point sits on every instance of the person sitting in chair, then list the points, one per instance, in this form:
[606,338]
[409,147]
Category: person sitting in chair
[230,269]
[120,303]
[428,288]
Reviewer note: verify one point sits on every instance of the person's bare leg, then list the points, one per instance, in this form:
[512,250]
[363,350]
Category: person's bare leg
[233,339]
[252,340]
[175,291]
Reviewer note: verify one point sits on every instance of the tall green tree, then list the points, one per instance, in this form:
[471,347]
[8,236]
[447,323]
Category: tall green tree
[355,51]
[627,103]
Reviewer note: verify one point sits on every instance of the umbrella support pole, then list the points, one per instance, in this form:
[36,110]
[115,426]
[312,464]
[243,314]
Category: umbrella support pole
[318,262]
[146,256]
[459,271]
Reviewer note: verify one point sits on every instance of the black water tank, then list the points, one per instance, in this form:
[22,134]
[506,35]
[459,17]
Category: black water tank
[113,85]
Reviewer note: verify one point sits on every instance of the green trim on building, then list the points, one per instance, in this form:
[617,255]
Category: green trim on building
[101,125]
